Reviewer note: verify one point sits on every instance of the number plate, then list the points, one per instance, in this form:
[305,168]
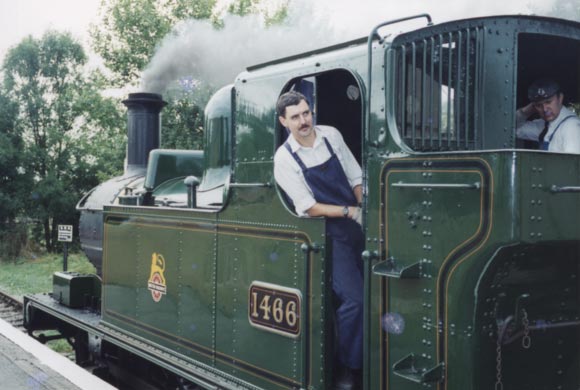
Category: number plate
[275,308]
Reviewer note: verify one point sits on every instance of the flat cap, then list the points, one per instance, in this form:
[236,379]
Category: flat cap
[542,89]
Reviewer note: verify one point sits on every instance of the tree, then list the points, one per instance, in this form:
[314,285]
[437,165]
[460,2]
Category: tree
[272,15]
[126,39]
[185,118]
[11,147]
[129,32]
[13,181]
[102,146]
[57,109]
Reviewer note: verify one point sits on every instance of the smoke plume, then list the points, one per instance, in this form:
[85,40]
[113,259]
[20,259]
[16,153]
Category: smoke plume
[196,49]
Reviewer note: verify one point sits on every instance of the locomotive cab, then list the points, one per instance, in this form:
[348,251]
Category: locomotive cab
[476,232]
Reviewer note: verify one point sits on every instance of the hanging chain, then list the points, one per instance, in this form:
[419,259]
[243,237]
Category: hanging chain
[498,382]
[526,340]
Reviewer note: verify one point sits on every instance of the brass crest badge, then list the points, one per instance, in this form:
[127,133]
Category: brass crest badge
[156,283]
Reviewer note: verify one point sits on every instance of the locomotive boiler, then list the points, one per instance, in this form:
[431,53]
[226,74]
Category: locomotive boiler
[208,279]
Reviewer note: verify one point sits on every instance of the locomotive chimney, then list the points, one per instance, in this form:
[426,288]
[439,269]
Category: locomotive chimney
[143,129]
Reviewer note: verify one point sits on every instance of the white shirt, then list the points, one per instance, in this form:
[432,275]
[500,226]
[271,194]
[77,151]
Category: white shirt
[288,173]
[566,139]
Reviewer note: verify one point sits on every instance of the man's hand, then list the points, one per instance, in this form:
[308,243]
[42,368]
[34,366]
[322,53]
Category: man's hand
[355,213]
[528,110]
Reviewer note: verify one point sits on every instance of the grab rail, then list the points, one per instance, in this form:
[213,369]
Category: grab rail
[557,189]
[250,185]
[474,186]
[373,34]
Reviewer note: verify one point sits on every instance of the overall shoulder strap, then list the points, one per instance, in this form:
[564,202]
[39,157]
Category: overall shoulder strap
[296,158]
[560,124]
[329,147]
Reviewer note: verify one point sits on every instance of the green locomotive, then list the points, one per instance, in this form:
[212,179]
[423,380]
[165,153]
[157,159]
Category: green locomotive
[209,280]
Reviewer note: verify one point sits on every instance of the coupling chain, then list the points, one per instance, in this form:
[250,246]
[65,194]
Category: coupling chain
[526,340]
[498,381]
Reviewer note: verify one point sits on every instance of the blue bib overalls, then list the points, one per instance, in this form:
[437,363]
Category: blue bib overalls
[546,144]
[329,185]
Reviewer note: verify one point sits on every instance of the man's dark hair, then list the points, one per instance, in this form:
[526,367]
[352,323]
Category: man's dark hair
[291,98]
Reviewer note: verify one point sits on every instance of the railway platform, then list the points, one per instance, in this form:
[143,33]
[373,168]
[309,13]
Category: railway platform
[26,364]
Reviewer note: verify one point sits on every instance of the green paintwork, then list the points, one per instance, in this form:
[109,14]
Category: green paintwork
[462,246]
[480,249]
[204,314]
[168,164]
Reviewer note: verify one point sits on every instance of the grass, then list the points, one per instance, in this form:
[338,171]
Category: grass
[31,275]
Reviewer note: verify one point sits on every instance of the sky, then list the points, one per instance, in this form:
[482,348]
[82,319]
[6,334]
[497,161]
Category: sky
[21,18]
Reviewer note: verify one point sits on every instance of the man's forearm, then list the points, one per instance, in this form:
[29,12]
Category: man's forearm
[358,193]
[334,211]
[330,210]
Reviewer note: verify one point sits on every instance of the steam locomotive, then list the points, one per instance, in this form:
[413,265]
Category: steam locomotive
[208,279]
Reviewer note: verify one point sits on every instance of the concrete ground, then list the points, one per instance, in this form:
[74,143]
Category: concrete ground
[26,364]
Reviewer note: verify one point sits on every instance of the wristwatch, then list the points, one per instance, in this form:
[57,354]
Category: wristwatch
[345,211]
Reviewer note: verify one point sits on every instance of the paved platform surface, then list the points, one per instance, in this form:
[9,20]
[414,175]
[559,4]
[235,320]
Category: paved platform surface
[26,364]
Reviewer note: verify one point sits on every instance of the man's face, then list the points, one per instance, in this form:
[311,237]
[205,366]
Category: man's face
[298,119]
[549,108]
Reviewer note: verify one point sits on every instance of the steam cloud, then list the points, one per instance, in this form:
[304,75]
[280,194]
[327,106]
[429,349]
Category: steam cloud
[196,49]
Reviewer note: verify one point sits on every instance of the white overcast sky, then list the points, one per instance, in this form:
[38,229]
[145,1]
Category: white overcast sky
[19,18]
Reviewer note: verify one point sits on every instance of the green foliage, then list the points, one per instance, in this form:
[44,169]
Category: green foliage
[12,179]
[185,119]
[61,117]
[272,15]
[14,182]
[127,35]
[278,16]
[13,237]
[101,149]
[243,7]
[130,31]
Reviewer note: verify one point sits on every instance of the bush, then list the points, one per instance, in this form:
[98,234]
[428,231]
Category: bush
[12,239]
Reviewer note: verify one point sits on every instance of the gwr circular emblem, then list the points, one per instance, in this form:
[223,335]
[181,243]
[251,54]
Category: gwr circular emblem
[156,283]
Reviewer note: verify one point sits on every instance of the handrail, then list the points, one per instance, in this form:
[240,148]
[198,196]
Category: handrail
[557,189]
[370,57]
[250,185]
[473,186]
